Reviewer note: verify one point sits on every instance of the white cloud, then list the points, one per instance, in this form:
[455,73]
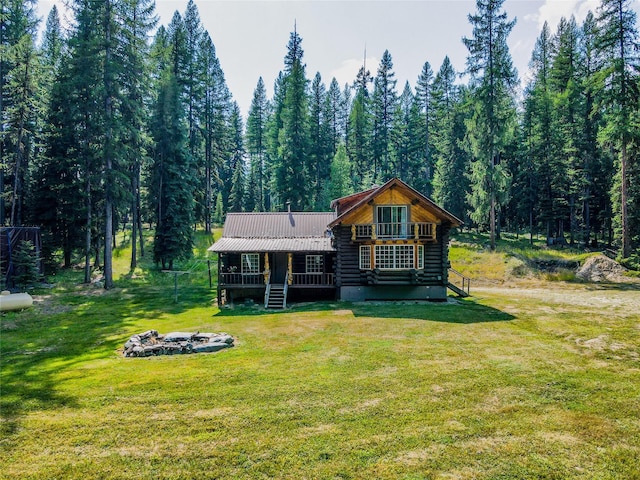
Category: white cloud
[552,11]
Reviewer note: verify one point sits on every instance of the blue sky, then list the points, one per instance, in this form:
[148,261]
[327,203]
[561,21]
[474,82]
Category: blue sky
[251,36]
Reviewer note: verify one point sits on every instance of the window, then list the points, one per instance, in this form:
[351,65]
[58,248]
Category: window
[315,264]
[392,221]
[394,257]
[420,261]
[365,257]
[250,263]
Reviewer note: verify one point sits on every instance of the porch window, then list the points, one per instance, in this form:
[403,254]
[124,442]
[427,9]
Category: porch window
[392,221]
[365,257]
[250,263]
[315,264]
[394,257]
[420,255]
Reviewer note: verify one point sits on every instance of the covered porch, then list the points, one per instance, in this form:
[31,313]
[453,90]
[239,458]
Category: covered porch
[305,275]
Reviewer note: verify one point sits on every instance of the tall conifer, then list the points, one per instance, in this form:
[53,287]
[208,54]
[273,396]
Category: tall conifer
[617,82]
[493,79]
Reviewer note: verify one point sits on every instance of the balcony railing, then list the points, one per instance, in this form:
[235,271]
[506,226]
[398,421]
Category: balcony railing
[392,231]
[313,279]
[241,279]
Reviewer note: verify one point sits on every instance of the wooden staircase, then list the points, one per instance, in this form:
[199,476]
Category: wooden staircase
[275,296]
[458,283]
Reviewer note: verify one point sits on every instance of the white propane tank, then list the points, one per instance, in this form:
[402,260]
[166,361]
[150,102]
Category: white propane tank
[14,301]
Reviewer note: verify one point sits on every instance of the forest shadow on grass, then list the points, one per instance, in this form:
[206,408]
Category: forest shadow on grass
[71,328]
[465,311]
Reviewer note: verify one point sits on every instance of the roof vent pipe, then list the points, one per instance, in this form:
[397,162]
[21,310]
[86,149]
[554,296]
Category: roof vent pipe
[289,207]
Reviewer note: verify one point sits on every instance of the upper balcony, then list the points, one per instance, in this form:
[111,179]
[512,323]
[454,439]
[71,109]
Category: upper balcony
[393,231]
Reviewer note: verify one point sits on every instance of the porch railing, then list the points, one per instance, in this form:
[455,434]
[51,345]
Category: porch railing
[313,279]
[461,283]
[394,230]
[267,290]
[241,279]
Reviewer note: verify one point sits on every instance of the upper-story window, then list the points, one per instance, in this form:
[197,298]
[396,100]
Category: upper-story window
[392,221]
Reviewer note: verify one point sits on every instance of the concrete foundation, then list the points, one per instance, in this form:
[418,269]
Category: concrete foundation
[393,292]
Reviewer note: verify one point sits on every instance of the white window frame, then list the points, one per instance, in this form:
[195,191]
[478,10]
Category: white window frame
[395,257]
[314,264]
[420,257]
[250,263]
[365,257]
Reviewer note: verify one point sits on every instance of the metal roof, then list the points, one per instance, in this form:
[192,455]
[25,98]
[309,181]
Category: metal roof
[276,225]
[248,245]
[275,232]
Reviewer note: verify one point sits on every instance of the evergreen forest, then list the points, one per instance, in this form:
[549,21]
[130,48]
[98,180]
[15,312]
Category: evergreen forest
[116,122]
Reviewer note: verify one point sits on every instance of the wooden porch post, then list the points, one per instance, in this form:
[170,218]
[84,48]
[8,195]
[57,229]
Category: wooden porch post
[266,268]
[219,278]
[290,268]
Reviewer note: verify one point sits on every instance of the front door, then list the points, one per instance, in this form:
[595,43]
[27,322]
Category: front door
[280,267]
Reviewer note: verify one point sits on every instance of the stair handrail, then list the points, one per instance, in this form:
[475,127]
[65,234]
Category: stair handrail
[284,290]
[267,290]
[466,281]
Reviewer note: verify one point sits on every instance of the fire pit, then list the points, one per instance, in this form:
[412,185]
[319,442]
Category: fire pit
[150,343]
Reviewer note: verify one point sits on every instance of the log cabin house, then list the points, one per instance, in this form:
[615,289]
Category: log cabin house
[386,243]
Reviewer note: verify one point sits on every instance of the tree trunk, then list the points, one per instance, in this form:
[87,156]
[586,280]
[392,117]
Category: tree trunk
[87,242]
[624,220]
[108,151]
[134,220]
[139,220]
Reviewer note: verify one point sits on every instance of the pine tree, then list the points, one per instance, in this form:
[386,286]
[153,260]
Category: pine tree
[406,158]
[170,176]
[237,164]
[55,185]
[359,131]
[188,78]
[292,176]
[338,184]
[85,88]
[598,164]
[256,144]
[25,264]
[137,20]
[568,117]
[214,112]
[424,94]
[20,114]
[17,22]
[493,78]
[542,140]
[333,117]
[384,105]
[320,142]
[617,82]
[450,113]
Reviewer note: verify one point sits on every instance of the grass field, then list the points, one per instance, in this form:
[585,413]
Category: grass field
[527,379]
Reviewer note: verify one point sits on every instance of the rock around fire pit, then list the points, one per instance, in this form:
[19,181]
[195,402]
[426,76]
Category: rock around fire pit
[149,343]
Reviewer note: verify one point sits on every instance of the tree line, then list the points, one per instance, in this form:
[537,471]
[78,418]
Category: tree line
[117,122]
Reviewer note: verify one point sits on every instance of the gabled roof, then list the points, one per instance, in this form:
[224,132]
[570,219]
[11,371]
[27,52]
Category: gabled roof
[348,204]
[275,232]
[343,204]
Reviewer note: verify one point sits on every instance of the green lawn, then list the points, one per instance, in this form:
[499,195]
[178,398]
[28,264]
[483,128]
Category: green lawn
[515,383]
